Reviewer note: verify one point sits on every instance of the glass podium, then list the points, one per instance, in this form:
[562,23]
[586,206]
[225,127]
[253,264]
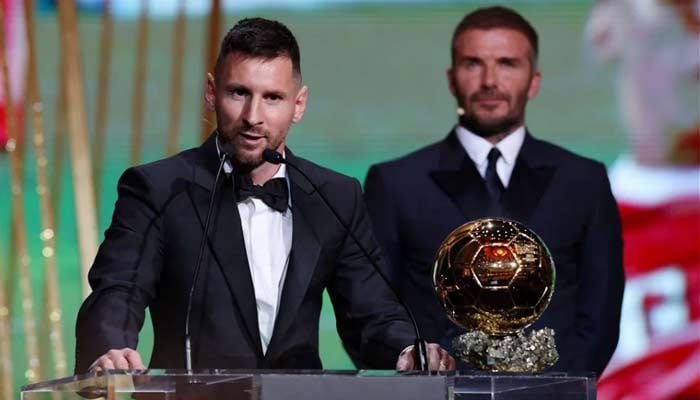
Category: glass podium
[312,384]
[502,386]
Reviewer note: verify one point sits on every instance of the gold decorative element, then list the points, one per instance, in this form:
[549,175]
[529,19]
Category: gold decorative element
[18,222]
[176,80]
[139,95]
[212,46]
[46,234]
[102,95]
[6,386]
[59,137]
[84,192]
[494,277]
[46,209]
[11,144]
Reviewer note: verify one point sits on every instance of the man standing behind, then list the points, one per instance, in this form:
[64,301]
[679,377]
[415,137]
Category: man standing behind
[273,246]
[490,165]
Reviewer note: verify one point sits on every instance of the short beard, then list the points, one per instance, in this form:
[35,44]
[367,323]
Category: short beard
[489,130]
[244,163]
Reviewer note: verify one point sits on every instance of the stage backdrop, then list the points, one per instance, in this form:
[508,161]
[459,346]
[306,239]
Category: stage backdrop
[377,90]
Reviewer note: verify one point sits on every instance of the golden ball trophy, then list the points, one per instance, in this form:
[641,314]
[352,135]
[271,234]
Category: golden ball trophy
[495,277]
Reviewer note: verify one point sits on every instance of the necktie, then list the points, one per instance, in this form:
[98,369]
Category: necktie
[274,192]
[493,182]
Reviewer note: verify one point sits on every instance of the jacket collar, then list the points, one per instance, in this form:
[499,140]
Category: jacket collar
[458,178]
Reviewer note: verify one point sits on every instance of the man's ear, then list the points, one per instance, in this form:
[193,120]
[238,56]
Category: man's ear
[210,92]
[534,85]
[300,104]
[450,80]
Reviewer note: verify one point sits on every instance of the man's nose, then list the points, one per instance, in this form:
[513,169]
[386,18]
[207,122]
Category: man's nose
[488,77]
[252,113]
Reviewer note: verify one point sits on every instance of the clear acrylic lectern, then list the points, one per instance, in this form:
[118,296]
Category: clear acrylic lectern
[326,385]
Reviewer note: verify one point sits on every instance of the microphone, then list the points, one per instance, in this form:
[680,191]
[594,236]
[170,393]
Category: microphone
[225,151]
[274,157]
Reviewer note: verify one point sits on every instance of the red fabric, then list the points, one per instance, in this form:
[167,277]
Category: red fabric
[4,134]
[661,236]
[671,371]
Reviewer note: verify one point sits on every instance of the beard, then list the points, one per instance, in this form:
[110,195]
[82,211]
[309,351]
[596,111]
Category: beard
[245,161]
[492,126]
[489,128]
[244,157]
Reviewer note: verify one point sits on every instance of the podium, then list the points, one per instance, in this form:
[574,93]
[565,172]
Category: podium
[312,384]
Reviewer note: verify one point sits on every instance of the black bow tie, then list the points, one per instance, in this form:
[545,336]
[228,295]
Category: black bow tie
[274,192]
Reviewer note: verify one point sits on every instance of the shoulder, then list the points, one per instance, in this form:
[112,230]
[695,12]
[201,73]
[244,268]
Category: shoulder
[425,158]
[158,175]
[168,166]
[343,191]
[321,175]
[581,177]
[567,160]
[403,174]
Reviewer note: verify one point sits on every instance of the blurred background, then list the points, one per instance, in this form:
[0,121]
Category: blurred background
[620,85]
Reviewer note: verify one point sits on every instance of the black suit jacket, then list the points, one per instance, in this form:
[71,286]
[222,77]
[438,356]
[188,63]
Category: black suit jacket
[149,253]
[417,200]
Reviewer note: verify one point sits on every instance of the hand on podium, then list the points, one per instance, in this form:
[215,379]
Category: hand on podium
[125,358]
[438,359]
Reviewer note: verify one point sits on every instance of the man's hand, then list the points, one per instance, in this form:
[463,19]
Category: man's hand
[438,359]
[125,358]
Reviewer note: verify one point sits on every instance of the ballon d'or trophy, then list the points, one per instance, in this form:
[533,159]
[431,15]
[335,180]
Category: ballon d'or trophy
[495,277]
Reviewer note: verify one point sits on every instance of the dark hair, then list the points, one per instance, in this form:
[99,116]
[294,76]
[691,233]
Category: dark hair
[260,38]
[497,17]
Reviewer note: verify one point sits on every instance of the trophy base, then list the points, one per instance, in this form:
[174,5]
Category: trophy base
[512,353]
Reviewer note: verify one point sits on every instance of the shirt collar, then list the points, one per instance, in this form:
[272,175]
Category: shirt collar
[478,148]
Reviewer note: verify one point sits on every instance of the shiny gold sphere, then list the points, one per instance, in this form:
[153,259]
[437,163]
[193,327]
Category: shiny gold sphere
[494,275]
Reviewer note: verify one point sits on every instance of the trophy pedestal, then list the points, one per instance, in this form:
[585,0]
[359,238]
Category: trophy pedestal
[512,353]
[503,386]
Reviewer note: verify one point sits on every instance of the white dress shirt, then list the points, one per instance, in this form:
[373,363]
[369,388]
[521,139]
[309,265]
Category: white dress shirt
[478,148]
[268,241]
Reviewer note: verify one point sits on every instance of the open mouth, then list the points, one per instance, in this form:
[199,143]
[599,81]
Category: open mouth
[251,136]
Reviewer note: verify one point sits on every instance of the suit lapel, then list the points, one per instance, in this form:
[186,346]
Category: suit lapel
[531,176]
[458,177]
[226,241]
[306,248]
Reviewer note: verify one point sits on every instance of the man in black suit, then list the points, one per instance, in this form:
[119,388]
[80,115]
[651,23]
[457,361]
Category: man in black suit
[489,165]
[273,246]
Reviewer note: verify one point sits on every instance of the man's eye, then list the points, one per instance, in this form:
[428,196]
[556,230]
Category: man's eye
[471,63]
[237,92]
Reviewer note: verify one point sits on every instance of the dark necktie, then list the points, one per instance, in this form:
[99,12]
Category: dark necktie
[274,192]
[493,182]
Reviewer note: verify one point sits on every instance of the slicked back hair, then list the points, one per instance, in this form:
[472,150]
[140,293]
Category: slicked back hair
[498,17]
[260,38]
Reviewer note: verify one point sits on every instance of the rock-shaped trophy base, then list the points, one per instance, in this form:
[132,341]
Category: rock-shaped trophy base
[513,353]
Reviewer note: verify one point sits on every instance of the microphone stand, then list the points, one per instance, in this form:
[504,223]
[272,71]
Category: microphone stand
[188,347]
[274,157]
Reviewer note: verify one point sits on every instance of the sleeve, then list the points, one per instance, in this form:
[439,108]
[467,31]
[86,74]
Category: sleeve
[382,213]
[601,282]
[124,274]
[370,320]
